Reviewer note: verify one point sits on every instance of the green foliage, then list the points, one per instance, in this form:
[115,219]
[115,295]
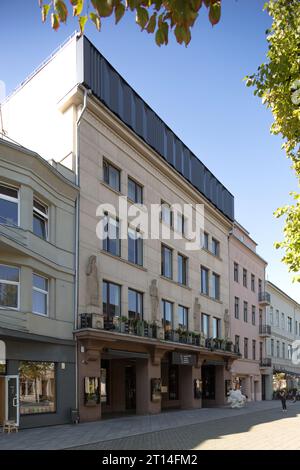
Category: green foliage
[277,83]
[154,16]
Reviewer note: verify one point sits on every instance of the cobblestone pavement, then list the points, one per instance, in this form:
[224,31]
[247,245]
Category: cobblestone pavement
[260,425]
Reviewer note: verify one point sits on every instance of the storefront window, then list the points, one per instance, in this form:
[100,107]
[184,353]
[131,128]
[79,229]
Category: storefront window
[37,387]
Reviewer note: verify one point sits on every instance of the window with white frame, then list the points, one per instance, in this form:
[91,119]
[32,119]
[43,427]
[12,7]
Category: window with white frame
[9,205]
[9,287]
[290,351]
[166,214]
[40,291]
[40,219]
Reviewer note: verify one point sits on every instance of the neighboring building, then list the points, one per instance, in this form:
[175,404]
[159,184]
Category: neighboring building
[141,303]
[248,301]
[284,319]
[37,267]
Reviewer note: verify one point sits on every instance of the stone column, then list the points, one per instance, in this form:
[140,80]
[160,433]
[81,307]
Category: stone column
[26,207]
[147,369]
[187,375]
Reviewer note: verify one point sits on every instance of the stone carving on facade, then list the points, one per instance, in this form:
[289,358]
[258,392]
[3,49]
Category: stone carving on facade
[154,301]
[92,283]
[197,314]
[227,323]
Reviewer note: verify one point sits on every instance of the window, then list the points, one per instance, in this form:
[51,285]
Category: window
[135,304]
[282,321]
[135,191]
[167,315]
[9,205]
[166,214]
[277,349]
[205,241]
[296,327]
[236,272]
[180,223]
[252,282]
[253,314]
[9,286]
[40,219]
[277,318]
[135,247]
[254,350]
[259,285]
[245,277]
[205,324]
[260,350]
[272,347]
[112,242]
[111,175]
[246,348]
[216,327]
[182,269]
[246,312]
[37,387]
[182,317]
[166,262]
[215,291]
[260,317]
[283,350]
[215,247]
[111,298]
[236,307]
[39,294]
[204,281]
[271,316]
[237,343]
[290,351]
[289,324]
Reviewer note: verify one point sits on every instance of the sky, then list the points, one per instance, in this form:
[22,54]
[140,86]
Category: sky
[198,91]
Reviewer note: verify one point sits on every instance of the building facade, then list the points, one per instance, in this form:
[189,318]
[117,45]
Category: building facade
[283,315]
[37,280]
[152,315]
[248,302]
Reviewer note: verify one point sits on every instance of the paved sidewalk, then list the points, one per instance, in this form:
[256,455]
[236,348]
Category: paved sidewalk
[85,434]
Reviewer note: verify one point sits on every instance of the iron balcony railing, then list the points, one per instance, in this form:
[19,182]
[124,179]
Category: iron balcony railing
[264,297]
[266,362]
[265,330]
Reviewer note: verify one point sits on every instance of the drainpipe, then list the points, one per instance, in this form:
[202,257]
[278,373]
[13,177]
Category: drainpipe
[87,92]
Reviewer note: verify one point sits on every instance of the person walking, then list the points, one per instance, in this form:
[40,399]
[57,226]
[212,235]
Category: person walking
[282,395]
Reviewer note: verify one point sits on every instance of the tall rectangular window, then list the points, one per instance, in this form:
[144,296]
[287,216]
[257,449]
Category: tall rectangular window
[277,349]
[111,175]
[254,350]
[253,314]
[37,387]
[205,324]
[40,219]
[135,247]
[204,281]
[245,277]
[271,316]
[182,269]
[39,294]
[166,262]
[9,205]
[260,351]
[9,287]
[236,307]
[111,298]
[180,223]
[237,343]
[112,241]
[246,312]
[205,242]
[236,272]
[135,304]
[167,315]
[282,321]
[290,351]
[259,285]
[283,350]
[215,247]
[215,291]
[246,348]
[296,327]
[216,326]
[272,347]
[166,214]
[252,282]
[289,323]
[277,318]
[135,191]
[182,317]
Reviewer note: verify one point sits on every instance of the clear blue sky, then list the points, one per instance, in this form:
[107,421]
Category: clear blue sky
[197,90]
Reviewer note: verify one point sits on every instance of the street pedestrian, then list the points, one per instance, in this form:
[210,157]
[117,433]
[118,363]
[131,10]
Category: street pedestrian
[282,395]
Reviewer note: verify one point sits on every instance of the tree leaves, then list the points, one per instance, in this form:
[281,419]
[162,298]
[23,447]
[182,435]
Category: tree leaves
[157,17]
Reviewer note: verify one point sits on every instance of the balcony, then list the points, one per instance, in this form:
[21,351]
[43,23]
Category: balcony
[264,299]
[264,331]
[265,363]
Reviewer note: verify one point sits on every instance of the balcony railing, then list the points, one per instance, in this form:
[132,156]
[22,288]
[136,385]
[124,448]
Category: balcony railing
[264,298]
[265,330]
[266,362]
[147,330]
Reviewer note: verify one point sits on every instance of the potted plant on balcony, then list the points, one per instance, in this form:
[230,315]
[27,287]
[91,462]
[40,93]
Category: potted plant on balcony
[140,330]
[228,345]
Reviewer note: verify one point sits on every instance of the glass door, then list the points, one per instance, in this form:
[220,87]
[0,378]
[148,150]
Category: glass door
[12,398]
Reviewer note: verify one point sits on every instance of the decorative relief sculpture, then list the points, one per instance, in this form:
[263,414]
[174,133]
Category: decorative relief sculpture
[92,283]
[154,301]
[227,323]
[197,314]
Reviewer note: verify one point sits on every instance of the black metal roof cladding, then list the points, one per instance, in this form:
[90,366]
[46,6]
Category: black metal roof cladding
[111,89]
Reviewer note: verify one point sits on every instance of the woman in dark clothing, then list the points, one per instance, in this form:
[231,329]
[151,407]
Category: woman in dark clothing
[282,395]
